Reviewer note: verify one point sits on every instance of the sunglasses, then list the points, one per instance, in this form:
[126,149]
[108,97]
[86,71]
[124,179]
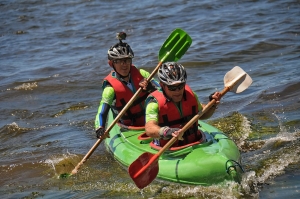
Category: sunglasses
[174,88]
[122,61]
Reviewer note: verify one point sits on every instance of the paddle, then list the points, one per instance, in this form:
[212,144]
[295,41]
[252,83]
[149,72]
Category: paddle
[145,168]
[173,49]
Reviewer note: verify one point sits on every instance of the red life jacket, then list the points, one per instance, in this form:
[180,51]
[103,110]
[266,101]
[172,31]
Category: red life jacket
[170,115]
[135,115]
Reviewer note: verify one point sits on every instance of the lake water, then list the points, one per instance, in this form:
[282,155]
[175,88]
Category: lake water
[53,59]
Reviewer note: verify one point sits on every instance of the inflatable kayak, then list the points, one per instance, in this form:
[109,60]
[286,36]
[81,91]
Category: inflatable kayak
[211,160]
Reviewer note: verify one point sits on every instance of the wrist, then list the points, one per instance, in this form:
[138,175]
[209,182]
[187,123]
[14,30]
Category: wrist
[162,132]
[210,97]
[99,127]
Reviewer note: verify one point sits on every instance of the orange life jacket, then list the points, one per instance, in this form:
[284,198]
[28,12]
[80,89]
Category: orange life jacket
[170,115]
[135,115]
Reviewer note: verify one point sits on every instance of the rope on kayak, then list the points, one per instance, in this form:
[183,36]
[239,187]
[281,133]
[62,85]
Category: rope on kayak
[126,128]
[234,165]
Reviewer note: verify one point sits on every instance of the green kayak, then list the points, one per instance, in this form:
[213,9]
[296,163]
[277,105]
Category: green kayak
[212,160]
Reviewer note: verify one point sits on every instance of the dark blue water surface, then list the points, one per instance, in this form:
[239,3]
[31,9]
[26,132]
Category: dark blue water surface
[53,59]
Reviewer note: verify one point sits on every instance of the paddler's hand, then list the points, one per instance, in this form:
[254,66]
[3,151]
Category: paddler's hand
[167,133]
[217,96]
[100,132]
[146,86]
[176,134]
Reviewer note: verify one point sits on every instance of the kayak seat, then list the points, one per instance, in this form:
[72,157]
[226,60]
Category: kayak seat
[144,136]
[202,140]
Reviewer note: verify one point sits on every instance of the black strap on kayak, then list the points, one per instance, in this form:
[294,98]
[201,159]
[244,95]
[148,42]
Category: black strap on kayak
[233,166]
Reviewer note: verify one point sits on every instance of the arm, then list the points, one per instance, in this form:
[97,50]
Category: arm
[108,96]
[210,112]
[151,127]
[101,116]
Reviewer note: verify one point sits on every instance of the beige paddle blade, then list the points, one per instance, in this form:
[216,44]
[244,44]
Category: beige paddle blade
[237,80]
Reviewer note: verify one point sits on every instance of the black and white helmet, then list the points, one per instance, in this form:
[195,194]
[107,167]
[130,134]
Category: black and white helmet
[171,73]
[120,50]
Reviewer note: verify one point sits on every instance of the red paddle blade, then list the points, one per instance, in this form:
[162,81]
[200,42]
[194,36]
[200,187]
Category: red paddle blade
[144,169]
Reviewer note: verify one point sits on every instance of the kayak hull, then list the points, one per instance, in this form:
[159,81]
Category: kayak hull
[215,159]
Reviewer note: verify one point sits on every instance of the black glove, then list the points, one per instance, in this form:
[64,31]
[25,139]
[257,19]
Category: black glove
[151,87]
[166,132]
[99,132]
[210,96]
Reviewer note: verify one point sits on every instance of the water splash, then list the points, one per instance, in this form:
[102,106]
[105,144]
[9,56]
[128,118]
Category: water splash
[63,162]
[27,86]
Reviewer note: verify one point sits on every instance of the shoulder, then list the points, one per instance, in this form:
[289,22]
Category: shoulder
[108,90]
[105,84]
[151,105]
[195,95]
[197,99]
[189,90]
[108,95]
